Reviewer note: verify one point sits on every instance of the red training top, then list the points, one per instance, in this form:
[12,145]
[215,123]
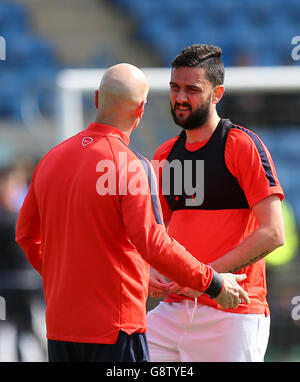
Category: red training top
[90,226]
[210,234]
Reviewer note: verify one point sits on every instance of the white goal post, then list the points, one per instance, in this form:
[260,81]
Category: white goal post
[72,84]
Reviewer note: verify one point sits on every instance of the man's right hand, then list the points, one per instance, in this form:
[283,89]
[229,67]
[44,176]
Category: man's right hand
[232,293]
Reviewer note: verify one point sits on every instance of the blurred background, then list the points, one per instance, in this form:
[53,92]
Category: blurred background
[42,38]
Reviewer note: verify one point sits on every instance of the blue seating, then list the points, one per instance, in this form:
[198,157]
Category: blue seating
[261,29]
[13,17]
[30,82]
[259,12]
[11,83]
[293,10]
[25,52]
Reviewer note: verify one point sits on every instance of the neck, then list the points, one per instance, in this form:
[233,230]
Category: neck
[203,132]
[126,128]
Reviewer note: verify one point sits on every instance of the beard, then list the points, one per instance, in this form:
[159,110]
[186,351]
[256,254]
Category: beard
[196,119]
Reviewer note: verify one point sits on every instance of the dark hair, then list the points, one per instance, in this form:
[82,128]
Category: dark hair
[203,56]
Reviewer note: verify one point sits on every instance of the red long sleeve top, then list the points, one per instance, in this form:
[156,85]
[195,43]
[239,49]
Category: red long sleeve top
[209,234]
[90,226]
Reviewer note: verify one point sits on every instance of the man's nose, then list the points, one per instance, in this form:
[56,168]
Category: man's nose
[181,96]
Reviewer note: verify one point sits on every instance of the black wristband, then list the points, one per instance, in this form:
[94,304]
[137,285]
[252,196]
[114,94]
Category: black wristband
[215,286]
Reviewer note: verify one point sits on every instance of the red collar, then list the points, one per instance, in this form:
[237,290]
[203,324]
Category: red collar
[107,130]
[195,145]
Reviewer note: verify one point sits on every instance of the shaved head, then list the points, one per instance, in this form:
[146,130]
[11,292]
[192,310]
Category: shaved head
[123,83]
[121,96]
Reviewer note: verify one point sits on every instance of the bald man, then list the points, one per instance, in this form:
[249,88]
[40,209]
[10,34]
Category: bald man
[91,226]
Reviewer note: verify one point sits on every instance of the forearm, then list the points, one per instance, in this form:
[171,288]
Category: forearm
[256,246]
[171,259]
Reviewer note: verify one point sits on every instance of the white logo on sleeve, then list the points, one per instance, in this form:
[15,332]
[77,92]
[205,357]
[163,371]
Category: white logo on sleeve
[86,141]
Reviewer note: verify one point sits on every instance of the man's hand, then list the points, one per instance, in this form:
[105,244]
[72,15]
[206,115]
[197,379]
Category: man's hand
[185,291]
[159,287]
[232,293]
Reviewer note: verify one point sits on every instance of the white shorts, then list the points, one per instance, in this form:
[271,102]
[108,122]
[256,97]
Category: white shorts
[190,332]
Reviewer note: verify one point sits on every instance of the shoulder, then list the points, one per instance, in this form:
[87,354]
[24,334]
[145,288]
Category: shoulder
[243,145]
[164,149]
[51,154]
[127,158]
[248,159]
[117,150]
[245,150]
[243,137]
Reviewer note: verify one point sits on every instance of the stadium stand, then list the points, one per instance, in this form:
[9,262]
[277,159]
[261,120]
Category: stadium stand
[255,33]
[30,59]
[260,27]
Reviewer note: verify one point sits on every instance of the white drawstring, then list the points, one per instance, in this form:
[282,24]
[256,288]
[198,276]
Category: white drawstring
[193,310]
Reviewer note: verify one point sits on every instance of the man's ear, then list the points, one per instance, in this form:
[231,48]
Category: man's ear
[140,110]
[96,99]
[218,93]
